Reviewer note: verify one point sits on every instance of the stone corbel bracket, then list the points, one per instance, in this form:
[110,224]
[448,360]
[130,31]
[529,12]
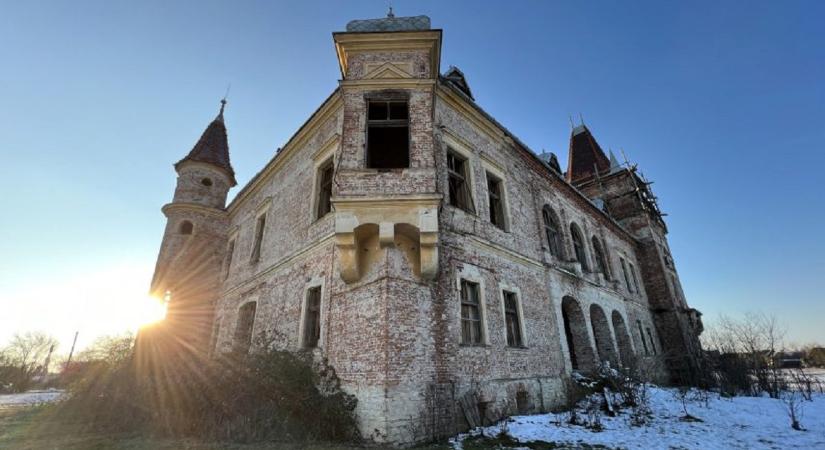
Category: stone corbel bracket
[354,215]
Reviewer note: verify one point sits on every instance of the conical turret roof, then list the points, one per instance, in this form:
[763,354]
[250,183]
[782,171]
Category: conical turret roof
[212,147]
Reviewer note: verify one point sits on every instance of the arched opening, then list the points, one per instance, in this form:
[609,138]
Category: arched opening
[206,182]
[186,227]
[576,336]
[552,231]
[578,246]
[623,339]
[244,326]
[601,258]
[603,336]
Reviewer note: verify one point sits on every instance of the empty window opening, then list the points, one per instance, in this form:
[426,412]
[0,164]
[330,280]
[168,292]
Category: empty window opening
[244,326]
[642,337]
[324,189]
[312,318]
[470,314]
[186,227]
[601,260]
[230,252]
[494,192]
[650,338]
[388,135]
[578,246]
[458,171]
[213,343]
[260,225]
[626,276]
[512,320]
[635,280]
[522,402]
[206,182]
[551,230]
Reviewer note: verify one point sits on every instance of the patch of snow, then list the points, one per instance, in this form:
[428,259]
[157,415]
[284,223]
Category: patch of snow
[30,398]
[735,423]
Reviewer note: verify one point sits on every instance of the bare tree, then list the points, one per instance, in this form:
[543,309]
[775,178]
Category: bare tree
[24,357]
[111,349]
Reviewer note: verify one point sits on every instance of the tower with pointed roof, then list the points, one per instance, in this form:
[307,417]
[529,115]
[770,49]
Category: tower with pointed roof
[187,273]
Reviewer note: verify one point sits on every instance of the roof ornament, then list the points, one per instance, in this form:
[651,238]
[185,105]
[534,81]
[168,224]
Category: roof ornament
[223,102]
[390,14]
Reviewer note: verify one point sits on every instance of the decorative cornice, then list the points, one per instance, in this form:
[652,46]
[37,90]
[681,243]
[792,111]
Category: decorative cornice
[348,43]
[182,206]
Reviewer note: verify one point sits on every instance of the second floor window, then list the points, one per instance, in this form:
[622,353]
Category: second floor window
[495,194]
[470,314]
[633,276]
[626,276]
[388,134]
[511,319]
[324,189]
[578,246]
[642,336]
[601,258]
[551,230]
[260,225]
[458,173]
[312,318]
[230,251]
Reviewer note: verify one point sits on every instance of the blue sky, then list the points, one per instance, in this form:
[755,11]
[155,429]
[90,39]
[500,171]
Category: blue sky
[722,104]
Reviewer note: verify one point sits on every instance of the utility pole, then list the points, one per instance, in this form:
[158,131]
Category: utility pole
[71,352]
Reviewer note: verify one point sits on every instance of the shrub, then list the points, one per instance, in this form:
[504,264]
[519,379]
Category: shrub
[170,390]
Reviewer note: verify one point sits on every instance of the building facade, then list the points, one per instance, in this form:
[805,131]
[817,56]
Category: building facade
[449,274]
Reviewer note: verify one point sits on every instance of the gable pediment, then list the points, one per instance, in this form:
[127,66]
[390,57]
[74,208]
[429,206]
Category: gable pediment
[388,70]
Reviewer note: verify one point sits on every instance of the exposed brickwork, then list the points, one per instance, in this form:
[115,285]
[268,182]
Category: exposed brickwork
[393,336]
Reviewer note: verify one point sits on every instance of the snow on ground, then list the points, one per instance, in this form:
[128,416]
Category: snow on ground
[29,398]
[737,423]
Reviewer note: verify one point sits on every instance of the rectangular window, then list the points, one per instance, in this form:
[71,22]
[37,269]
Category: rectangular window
[230,252]
[260,225]
[470,314]
[512,320]
[626,276]
[324,189]
[213,343]
[494,192]
[244,326]
[388,135]
[312,318]
[642,337]
[458,172]
[635,280]
[650,338]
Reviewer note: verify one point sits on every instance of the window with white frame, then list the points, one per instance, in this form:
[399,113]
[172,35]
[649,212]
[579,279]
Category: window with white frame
[458,172]
[471,314]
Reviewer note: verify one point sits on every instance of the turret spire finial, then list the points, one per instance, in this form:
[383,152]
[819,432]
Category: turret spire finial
[390,14]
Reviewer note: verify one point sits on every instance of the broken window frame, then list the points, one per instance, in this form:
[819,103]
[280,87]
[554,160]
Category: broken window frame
[633,276]
[388,122]
[512,319]
[260,227]
[579,250]
[325,174]
[495,200]
[312,318]
[652,343]
[552,231]
[472,329]
[458,180]
[642,336]
[601,257]
[230,252]
[626,276]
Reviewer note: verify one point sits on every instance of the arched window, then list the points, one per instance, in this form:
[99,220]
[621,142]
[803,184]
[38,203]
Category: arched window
[601,258]
[186,227]
[552,231]
[578,246]
[244,326]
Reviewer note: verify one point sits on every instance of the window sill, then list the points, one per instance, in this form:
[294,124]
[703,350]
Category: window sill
[517,347]
[474,345]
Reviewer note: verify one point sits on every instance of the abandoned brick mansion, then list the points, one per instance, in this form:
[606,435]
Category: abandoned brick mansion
[447,272]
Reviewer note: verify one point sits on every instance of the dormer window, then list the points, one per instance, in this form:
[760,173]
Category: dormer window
[388,138]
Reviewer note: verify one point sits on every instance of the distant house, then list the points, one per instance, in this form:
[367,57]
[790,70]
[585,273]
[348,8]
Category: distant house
[789,360]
